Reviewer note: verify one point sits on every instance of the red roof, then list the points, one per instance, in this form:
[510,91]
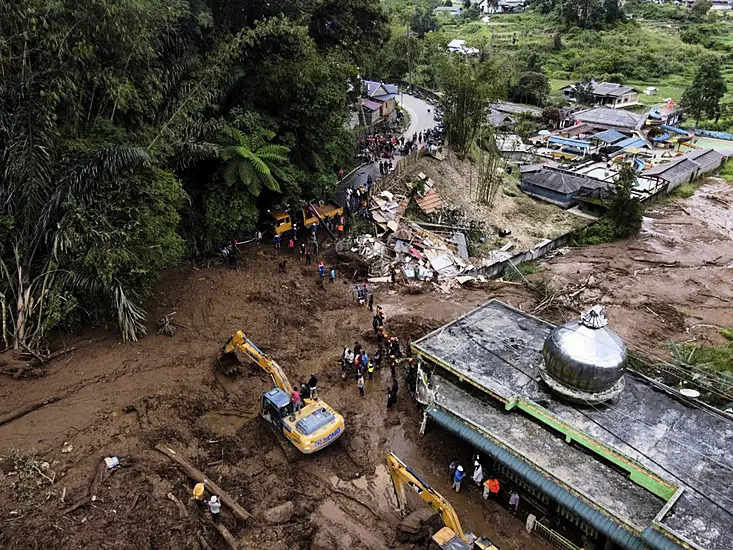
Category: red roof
[371,105]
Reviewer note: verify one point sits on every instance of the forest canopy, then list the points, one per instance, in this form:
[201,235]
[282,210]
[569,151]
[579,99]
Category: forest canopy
[136,132]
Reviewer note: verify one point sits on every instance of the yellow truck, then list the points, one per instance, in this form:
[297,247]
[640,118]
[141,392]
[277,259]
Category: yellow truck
[316,213]
[282,222]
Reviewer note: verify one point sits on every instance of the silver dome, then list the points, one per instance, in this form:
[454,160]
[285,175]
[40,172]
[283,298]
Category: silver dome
[584,360]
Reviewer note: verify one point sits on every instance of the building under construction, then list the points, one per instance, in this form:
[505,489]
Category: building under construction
[629,462]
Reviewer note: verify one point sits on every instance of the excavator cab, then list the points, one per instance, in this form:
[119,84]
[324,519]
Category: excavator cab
[276,406]
[446,539]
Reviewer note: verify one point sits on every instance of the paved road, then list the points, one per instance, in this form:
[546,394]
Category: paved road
[421,119]
[421,114]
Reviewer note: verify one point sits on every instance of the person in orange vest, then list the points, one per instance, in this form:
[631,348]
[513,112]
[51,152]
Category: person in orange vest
[491,488]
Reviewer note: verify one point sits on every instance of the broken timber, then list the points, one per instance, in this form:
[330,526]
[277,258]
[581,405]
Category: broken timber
[198,477]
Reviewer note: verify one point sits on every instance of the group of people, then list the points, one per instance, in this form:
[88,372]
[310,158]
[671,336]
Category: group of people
[214,504]
[357,362]
[381,146]
[491,484]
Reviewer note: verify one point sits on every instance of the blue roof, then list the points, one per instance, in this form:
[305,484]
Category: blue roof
[633,142]
[372,86]
[609,136]
[579,143]
[278,397]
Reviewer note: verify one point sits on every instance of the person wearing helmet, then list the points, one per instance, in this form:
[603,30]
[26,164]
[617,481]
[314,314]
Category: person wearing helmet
[457,478]
[215,508]
[478,473]
[198,492]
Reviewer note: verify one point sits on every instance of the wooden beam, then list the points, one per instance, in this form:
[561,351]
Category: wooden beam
[197,476]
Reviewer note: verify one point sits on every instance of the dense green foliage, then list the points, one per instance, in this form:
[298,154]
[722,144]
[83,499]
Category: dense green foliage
[702,98]
[623,217]
[468,88]
[134,132]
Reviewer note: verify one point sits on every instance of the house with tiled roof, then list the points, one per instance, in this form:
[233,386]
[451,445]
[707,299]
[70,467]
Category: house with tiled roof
[606,94]
[378,101]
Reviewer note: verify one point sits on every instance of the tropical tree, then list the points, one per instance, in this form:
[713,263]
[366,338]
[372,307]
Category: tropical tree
[468,88]
[254,162]
[702,99]
[625,211]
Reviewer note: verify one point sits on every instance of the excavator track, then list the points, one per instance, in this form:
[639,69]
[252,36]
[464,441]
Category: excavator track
[292,454]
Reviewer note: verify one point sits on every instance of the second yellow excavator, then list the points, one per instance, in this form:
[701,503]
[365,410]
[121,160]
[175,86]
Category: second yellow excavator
[312,426]
[450,537]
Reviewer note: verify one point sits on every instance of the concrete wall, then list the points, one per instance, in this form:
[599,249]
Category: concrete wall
[494,270]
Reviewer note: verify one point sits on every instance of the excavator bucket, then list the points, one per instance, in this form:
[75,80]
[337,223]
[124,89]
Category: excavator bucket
[231,362]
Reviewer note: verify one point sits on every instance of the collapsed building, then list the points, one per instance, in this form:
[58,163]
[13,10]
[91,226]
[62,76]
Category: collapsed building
[627,461]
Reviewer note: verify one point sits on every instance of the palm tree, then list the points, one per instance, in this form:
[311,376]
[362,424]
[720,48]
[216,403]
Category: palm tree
[254,162]
[38,182]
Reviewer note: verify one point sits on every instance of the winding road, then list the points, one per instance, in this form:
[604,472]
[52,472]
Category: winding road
[421,119]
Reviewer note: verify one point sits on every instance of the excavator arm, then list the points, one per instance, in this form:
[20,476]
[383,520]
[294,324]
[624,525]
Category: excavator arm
[244,349]
[403,475]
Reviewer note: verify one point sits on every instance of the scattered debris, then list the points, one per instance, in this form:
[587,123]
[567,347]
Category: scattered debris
[67,447]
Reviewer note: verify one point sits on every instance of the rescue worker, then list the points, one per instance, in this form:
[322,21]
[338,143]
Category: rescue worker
[376,325]
[313,386]
[478,473]
[360,385]
[391,398]
[457,478]
[452,468]
[346,360]
[332,275]
[198,492]
[370,370]
[321,269]
[378,358]
[393,366]
[371,302]
[514,501]
[295,398]
[357,348]
[302,252]
[491,488]
[215,508]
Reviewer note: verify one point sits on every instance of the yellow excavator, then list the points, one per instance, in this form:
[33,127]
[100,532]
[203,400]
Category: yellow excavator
[450,537]
[311,427]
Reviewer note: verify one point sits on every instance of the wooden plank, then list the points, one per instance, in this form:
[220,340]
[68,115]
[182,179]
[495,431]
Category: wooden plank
[197,476]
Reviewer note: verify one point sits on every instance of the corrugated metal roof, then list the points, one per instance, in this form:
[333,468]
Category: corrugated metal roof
[606,116]
[609,136]
[430,202]
[580,143]
[371,105]
[599,521]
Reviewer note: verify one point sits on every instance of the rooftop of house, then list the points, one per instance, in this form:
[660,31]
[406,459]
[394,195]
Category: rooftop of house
[380,91]
[606,89]
[497,351]
[609,118]
[516,108]
[684,164]
[371,105]
[561,181]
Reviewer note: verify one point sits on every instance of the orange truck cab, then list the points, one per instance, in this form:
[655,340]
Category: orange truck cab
[282,222]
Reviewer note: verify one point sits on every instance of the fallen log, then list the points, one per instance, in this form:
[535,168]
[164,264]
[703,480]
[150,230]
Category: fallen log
[181,508]
[197,476]
[227,536]
[19,413]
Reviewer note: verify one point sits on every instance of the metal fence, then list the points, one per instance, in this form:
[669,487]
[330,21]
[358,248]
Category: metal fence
[554,538]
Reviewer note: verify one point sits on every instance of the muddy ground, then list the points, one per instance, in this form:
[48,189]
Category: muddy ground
[121,399]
